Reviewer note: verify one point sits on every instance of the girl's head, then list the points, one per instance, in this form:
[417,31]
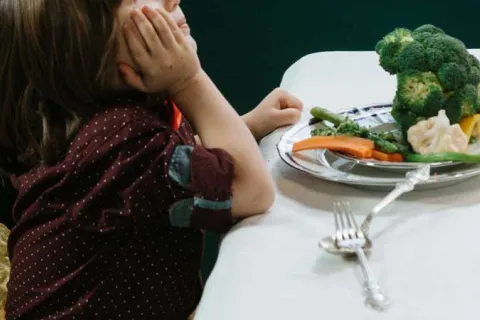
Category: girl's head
[58,61]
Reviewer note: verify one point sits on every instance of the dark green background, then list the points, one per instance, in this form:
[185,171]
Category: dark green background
[246,46]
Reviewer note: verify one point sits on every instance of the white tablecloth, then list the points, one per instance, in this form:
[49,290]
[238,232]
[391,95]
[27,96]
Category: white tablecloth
[426,248]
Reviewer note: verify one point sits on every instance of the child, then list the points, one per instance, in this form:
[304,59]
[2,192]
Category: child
[114,190]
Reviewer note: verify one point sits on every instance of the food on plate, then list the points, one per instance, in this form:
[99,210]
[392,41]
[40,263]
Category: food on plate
[357,147]
[436,104]
[471,127]
[437,135]
[443,157]
[434,71]
[390,157]
[343,126]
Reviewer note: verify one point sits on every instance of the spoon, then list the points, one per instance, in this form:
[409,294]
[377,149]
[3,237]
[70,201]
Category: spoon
[421,174]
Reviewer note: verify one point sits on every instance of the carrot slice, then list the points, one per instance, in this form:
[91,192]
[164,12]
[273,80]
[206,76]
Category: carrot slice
[395,157]
[380,156]
[357,147]
[392,157]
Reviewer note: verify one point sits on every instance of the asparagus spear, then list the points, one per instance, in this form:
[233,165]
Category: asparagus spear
[345,126]
[443,157]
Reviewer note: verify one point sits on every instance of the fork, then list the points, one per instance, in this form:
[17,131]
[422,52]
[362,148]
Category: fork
[349,235]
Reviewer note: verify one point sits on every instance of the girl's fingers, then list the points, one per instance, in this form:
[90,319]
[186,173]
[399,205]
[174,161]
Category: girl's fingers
[136,46]
[288,101]
[292,102]
[177,33]
[288,116]
[146,29]
[161,26]
[131,78]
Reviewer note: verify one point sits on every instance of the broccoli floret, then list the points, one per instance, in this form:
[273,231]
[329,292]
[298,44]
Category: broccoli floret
[389,55]
[401,35]
[474,76]
[390,47]
[424,32]
[379,46]
[441,48]
[469,100]
[428,28]
[405,118]
[412,57]
[420,92]
[474,68]
[462,103]
[472,61]
[434,71]
[324,132]
[452,76]
[478,96]
[422,37]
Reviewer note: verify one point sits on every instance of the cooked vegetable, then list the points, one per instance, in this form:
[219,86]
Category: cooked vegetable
[443,157]
[404,117]
[420,92]
[380,156]
[395,157]
[436,135]
[344,126]
[325,115]
[392,157]
[427,28]
[412,57]
[391,46]
[442,48]
[434,71]
[462,103]
[471,127]
[452,75]
[357,147]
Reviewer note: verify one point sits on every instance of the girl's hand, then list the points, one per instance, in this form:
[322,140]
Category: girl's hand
[278,109]
[166,60]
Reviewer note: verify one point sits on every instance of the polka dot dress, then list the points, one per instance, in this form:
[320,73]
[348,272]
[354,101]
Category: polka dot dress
[115,229]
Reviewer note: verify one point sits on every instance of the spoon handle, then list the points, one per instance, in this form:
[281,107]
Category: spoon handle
[421,174]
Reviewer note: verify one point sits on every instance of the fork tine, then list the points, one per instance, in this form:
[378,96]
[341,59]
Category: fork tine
[350,216]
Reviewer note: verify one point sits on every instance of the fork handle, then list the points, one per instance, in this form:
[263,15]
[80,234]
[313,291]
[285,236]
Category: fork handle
[374,295]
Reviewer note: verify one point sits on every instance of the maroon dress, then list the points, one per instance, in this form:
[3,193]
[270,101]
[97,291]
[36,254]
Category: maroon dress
[114,230]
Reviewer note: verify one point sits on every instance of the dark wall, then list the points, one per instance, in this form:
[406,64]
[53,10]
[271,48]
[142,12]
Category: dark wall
[246,46]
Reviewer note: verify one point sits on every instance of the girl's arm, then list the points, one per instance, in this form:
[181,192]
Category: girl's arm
[169,63]
[278,109]
[219,126]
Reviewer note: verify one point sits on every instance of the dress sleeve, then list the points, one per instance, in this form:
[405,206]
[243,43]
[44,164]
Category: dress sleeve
[156,176]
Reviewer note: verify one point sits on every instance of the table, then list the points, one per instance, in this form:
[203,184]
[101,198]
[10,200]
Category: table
[426,249]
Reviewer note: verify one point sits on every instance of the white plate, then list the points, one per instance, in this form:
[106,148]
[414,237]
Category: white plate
[329,166]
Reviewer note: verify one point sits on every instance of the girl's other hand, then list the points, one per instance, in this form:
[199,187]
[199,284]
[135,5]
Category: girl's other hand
[278,109]
[166,60]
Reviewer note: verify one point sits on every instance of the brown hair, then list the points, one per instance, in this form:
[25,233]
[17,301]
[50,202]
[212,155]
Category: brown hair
[55,59]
